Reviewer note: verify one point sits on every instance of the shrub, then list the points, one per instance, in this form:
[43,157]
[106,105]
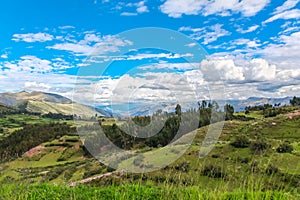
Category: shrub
[285,148]
[91,173]
[110,169]
[259,146]
[184,167]
[213,171]
[53,174]
[241,142]
[60,159]
[69,173]
[71,140]
[271,169]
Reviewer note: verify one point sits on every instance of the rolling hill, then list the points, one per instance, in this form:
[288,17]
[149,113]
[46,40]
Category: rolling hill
[40,102]
[63,160]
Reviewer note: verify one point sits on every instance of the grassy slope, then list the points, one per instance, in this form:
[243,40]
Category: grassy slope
[13,122]
[241,175]
[67,109]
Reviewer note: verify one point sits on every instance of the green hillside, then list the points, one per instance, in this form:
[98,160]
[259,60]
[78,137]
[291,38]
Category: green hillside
[44,107]
[254,157]
[44,103]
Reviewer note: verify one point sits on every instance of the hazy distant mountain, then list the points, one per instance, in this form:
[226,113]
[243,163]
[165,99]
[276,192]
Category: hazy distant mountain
[12,99]
[46,102]
[146,109]
[41,102]
[149,109]
[239,105]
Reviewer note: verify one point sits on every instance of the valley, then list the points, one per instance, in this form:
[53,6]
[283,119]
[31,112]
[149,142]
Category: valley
[257,156]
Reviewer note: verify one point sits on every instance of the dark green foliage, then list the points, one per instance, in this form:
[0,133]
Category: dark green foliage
[295,101]
[58,116]
[183,167]
[271,169]
[258,107]
[272,112]
[67,154]
[268,110]
[126,135]
[69,173]
[285,148]
[93,172]
[142,120]
[243,118]
[259,146]
[53,174]
[109,169]
[30,136]
[178,110]
[116,134]
[71,140]
[61,159]
[241,142]
[229,110]
[213,171]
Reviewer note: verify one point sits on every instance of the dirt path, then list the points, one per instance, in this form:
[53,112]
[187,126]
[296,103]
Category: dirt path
[293,114]
[87,180]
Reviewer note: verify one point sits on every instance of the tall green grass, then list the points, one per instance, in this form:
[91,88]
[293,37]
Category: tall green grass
[137,191]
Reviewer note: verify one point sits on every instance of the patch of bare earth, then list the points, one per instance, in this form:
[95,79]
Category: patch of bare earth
[293,114]
[34,151]
[87,180]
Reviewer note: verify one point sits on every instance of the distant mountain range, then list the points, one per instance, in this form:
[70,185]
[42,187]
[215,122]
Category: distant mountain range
[40,102]
[239,105]
[149,109]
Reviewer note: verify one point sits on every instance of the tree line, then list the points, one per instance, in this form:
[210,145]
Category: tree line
[20,141]
[174,125]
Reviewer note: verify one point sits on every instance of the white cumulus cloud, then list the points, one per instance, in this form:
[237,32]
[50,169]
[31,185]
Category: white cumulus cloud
[290,14]
[92,44]
[249,30]
[261,70]
[33,37]
[222,68]
[289,4]
[177,8]
[207,34]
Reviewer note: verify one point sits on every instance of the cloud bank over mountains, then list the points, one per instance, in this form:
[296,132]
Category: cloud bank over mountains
[252,50]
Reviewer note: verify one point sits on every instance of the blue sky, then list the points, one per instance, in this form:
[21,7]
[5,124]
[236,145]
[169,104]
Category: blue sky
[54,46]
